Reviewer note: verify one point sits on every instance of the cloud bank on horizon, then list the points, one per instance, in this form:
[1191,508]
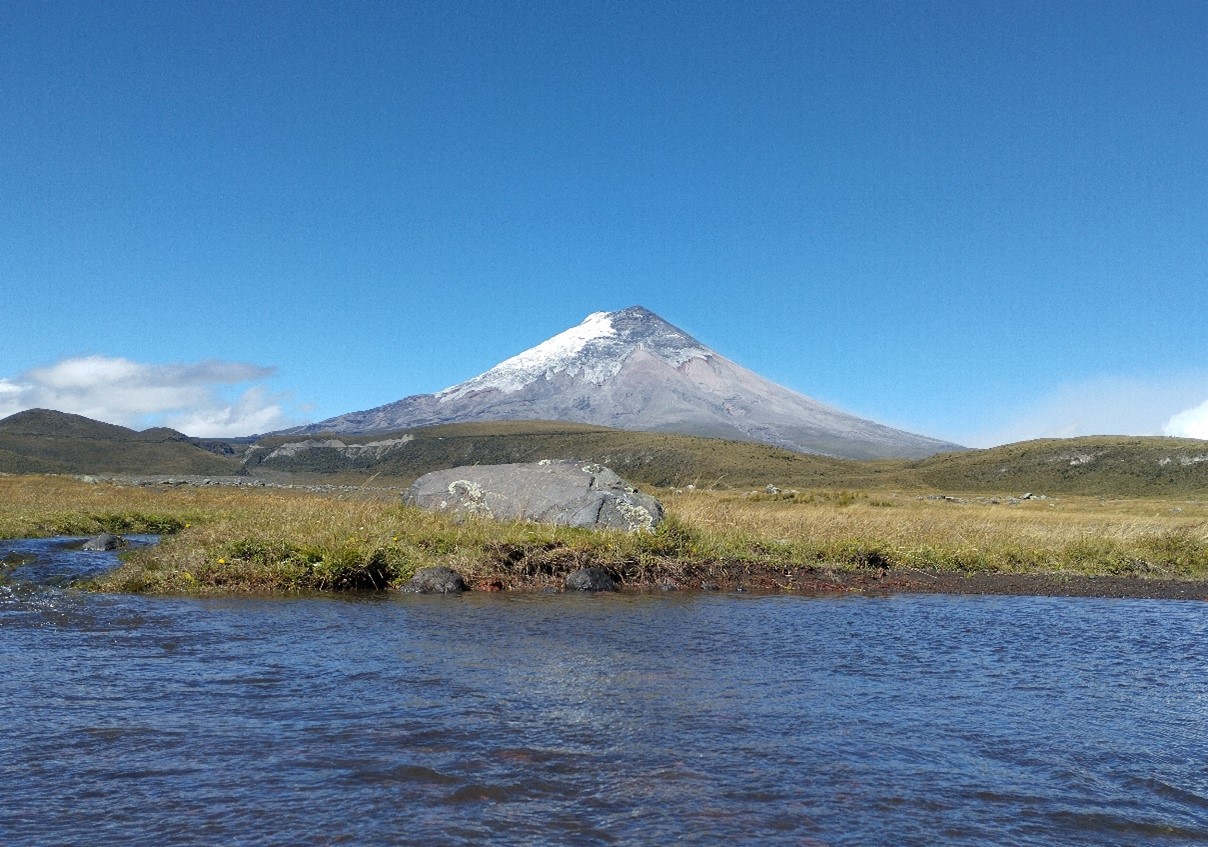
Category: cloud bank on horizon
[203,399]
[1168,404]
[1192,423]
[194,398]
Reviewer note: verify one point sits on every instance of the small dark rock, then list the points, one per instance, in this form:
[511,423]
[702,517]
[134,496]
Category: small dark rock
[436,581]
[590,579]
[709,586]
[104,541]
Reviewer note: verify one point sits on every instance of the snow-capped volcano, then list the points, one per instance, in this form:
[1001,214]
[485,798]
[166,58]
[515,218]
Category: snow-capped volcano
[633,370]
[594,352]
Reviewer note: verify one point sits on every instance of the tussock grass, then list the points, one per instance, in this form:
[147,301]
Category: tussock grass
[1083,535]
[223,540]
[39,506]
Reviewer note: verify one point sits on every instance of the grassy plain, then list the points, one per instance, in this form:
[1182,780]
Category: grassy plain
[244,539]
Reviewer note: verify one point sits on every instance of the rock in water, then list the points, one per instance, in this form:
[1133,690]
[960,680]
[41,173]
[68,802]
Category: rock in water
[104,541]
[568,493]
[590,579]
[435,581]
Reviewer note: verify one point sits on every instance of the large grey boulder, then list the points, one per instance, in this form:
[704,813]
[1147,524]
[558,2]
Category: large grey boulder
[559,492]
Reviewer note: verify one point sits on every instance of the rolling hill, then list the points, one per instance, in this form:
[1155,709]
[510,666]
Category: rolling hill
[1103,465]
[1096,465]
[652,458]
[43,441]
[46,441]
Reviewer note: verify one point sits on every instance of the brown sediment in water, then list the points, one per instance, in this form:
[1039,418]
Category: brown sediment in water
[917,581]
[822,581]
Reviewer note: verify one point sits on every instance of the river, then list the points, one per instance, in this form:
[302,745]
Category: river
[595,720]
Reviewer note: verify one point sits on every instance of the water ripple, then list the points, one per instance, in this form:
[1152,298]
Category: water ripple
[621,720]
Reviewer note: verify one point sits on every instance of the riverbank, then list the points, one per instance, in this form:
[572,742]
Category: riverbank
[243,539]
[919,581]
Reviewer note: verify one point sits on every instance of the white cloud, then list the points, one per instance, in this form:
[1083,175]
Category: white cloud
[1192,423]
[253,412]
[194,398]
[1104,405]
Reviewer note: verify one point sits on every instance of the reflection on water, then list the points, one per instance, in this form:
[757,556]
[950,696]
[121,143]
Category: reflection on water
[546,719]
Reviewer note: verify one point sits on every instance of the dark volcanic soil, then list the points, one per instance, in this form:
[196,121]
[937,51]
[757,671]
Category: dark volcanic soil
[820,581]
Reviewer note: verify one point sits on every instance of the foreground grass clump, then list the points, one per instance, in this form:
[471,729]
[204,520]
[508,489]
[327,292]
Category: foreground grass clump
[305,544]
[224,540]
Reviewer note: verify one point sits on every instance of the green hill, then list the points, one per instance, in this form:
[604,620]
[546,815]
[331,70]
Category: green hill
[46,441]
[1108,465]
[659,459]
[42,441]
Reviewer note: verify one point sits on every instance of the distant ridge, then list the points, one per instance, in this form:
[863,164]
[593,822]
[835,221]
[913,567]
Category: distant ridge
[1115,466]
[48,422]
[47,441]
[633,370]
[1118,465]
[44,441]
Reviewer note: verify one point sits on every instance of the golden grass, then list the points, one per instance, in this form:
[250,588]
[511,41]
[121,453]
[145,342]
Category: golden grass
[1071,534]
[223,539]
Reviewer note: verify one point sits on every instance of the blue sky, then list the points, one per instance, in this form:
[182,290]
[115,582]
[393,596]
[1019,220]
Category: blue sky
[984,221]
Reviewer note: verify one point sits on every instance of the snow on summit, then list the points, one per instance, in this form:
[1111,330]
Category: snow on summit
[632,370]
[594,351]
[554,355]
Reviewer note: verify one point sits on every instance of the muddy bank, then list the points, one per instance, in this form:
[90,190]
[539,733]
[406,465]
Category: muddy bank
[900,581]
[747,577]
[1048,585]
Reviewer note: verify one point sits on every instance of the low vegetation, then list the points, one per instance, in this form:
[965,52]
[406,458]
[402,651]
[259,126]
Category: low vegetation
[42,441]
[659,459]
[281,540]
[1118,466]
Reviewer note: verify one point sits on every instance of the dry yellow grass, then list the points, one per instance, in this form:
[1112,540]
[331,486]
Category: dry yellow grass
[1079,534]
[36,505]
[240,539]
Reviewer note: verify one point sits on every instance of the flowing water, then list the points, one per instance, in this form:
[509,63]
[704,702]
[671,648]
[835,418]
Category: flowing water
[595,720]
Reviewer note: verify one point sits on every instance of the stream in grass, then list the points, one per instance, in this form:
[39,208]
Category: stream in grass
[595,720]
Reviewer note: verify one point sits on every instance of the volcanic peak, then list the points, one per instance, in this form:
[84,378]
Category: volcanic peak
[633,370]
[593,351]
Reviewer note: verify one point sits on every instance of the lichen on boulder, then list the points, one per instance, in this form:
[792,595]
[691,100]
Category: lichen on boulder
[558,492]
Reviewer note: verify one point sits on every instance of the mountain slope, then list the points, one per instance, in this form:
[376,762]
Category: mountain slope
[660,459]
[633,370]
[1108,466]
[46,441]
[42,441]
[1097,465]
